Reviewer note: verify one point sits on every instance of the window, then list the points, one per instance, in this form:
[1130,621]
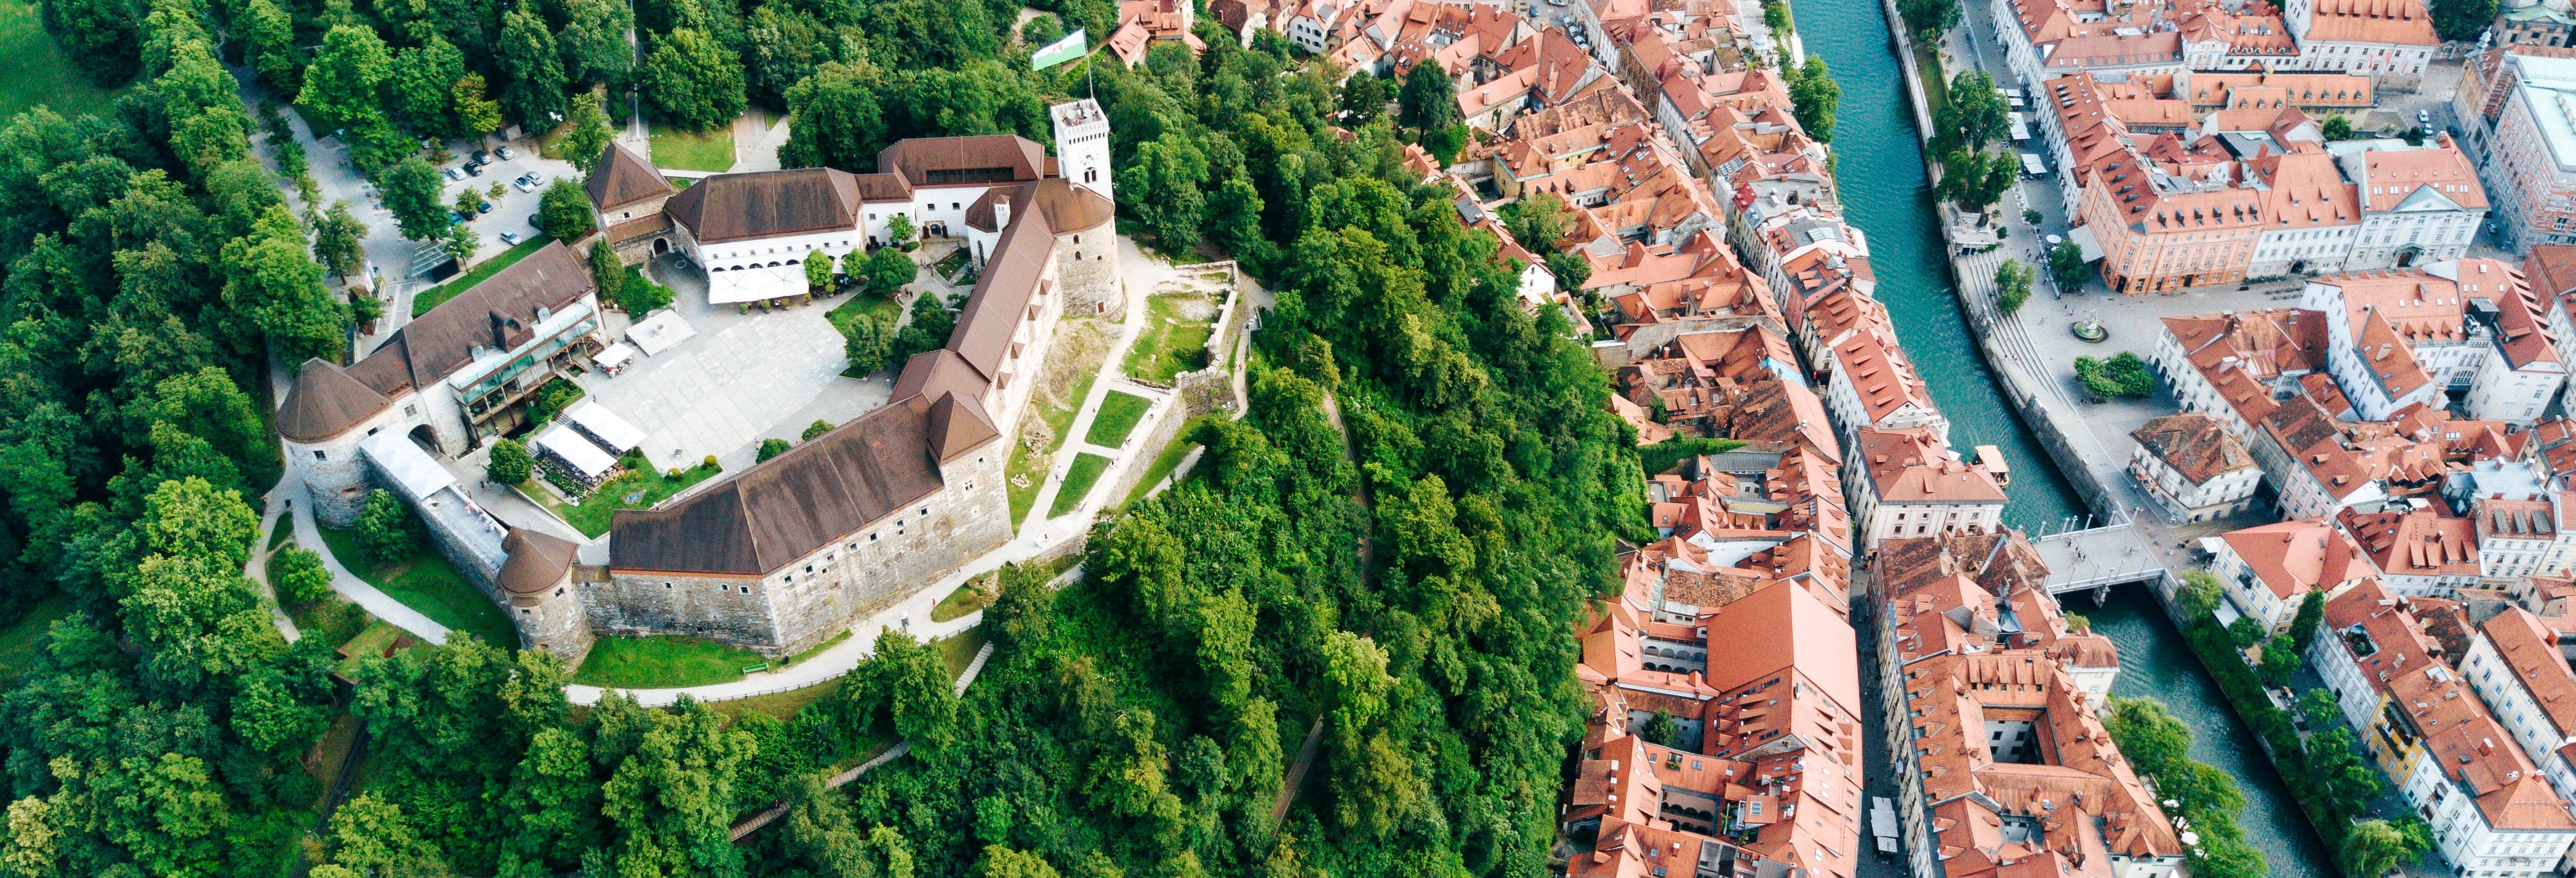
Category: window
[409,410]
[317,454]
[925,510]
[666,585]
[746,589]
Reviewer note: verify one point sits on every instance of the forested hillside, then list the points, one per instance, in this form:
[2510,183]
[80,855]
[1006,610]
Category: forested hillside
[1397,540]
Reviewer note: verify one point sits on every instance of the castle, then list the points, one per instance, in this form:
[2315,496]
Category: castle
[783,555]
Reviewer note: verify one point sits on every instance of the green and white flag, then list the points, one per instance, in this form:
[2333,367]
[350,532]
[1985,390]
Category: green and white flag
[1074,45]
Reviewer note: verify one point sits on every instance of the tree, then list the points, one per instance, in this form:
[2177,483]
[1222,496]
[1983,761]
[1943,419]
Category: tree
[818,271]
[564,211]
[1976,179]
[1428,101]
[461,242]
[889,269]
[929,329]
[101,36]
[1775,15]
[1814,97]
[273,285]
[2320,708]
[819,427]
[593,42]
[1973,113]
[1659,729]
[1042,30]
[1002,862]
[510,462]
[477,113]
[587,134]
[773,447]
[336,237]
[2336,128]
[372,837]
[2372,847]
[298,575]
[1537,221]
[421,85]
[1363,99]
[267,35]
[868,342]
[529,55]
[2117,377]
[2311,615]
[2066,265]
[1166,176]
[2198,594]
[384,529]
[2012,285]
[1571,270]
[411,193]
[692,81]
[2030,216]
[1928,19]
[2463,20]
[899,230]
[2280,660]
[344,80]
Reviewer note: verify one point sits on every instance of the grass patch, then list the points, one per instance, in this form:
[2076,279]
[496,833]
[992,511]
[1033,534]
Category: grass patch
[23,639]
[1118,415]
[684,150]
[426,583]
[783,705]
[635,278]
[1085,470]
[332,752]
[862,304]
[1169,345]
[377,637]
[1936,84]
[1665,455]
[34,71]
[591,515]
[817,649]
[277,535]
[1168,460]
[960,648]
[662,663]
[333,619]
[1029,467]
[424,300]
[970,596]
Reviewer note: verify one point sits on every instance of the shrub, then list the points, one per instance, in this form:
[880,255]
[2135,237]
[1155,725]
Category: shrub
[384,529]
[770,448]
[817,428]
[510,462]
[298,575]
[2124,375]
[709,463]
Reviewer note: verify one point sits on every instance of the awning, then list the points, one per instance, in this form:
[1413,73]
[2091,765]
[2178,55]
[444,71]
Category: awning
[615,356]
[660,332]
[569,447]
[2083,238]
[610,432]
[752,283]
[409,467]
[2030,163]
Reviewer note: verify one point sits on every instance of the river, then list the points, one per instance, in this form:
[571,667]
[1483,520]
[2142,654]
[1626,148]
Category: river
[1887,194]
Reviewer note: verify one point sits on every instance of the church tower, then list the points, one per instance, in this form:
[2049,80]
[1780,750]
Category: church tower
[1082,145]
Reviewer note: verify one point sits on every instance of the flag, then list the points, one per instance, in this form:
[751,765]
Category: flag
[1074,45]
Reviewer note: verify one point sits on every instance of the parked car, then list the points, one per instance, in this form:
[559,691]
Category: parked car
[485,207]
[502,151]
[481,157]
[454,218]
[2424,117]
[511,238]
[454,174]
[473,170]
[536,180]
[522,182]
[537,221]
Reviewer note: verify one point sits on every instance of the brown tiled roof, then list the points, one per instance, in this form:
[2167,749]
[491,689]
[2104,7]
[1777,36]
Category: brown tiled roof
[2532,652]
[325,402]
[824,489]
[1001,296]
[2194,444]
[732,207]
[623,178]
[2294,557]
[498,313]
[538,560]
[985,159]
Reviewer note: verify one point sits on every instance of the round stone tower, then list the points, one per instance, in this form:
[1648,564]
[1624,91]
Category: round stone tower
[537,583]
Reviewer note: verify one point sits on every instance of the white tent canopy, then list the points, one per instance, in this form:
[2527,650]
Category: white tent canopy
[409,467]
[614,357]
[612,433]
[660,332]
[571,448]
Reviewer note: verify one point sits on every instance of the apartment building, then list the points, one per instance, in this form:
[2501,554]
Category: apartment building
[2268,571]
[2194,467]
[1908,483]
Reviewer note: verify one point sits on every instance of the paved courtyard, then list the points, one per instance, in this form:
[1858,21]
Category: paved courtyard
[741,379]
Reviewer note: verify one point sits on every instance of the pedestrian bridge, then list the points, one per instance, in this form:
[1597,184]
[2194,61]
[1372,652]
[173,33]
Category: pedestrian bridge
[2097,556]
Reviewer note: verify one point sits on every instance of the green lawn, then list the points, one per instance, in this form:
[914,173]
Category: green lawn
[371,640]
[662,662]
[592,514]
[1168,459]
[333,618]
[424,300]
[817,649]
[35,71]
[1085,470]
[783,705]
[277,535]
[426,583]
[960,648]
[684,150]
[1118,415]
[1028,466]
[20,640]
[969,597]
[1170,345]
[635,277]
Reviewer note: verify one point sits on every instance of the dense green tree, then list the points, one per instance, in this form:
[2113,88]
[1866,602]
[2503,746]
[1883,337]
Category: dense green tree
[2372,847]
[2310,616]
[267,36]
[564,211]
[818,272]
[535,66]
[274,286]
[2066,265]
[1973,114]
[2012,285]
[1429,99]
[412,193]
[593,42]
[889,269]
[476,112]
[1165,178]
[1928,19]
[2198,594]
[384,529]
[1363,99]
[2336,128]
[2463,20]
[1042,30]
[101,37]
[1814,97]
[692,81]
[344,81]
[868,343]
[298,575]
[422,83]
[588,135]
[336,237]
[509,462]
[773,447]
[1976,179]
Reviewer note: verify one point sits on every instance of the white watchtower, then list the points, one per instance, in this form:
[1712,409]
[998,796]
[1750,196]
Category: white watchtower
[1082,145]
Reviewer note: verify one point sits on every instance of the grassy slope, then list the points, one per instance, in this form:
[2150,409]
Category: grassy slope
[428,584]
[693,150]
[430,298]
[592,515]
[1167,460]
[1166,349]
[662,662]
[35,71]
[1078,478]
[1118,415]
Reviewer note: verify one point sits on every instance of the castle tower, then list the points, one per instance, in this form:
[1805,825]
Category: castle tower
[1082,145]
[538,583]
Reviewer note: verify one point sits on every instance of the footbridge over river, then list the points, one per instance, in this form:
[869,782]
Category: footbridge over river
[2094,557]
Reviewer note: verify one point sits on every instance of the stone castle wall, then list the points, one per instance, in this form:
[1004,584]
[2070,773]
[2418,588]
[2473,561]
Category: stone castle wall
[1089,272]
